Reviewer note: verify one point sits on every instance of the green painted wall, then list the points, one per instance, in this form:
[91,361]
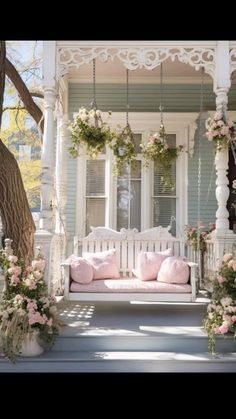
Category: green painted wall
[202,204]
[145,97]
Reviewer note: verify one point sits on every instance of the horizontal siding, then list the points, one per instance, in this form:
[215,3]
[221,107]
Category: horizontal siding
[145,97]
[203,176]
[71,196]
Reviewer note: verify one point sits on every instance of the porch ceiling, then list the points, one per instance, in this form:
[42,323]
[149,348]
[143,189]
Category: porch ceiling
[115,72]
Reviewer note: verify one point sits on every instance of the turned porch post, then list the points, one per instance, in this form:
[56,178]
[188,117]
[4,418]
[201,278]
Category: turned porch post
[221,88]
[47,157]
[61,172]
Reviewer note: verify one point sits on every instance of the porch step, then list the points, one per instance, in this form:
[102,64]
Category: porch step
[152,338]
[122,361]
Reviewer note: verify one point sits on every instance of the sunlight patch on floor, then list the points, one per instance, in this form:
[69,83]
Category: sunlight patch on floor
[155,356]
[175,330]
[96,331]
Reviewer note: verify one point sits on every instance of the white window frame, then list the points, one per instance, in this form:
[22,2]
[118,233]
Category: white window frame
[180,124]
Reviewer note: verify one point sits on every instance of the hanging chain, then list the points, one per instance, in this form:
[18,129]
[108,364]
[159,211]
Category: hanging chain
[127,97]
[161,108]
[93,103]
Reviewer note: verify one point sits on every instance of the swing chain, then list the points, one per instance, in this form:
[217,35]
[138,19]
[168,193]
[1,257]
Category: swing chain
[93,103]
[127,97]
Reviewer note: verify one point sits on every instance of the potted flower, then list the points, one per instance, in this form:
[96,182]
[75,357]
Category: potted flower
[223,134]
[27,312]
[123,147]
[158,150]
[221,311]
[88,130]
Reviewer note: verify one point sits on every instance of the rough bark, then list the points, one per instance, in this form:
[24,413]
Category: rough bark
[24,93]
[16,217]
[2,75]
[17,220]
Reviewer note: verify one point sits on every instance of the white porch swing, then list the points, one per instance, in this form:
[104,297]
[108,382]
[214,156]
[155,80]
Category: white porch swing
[127,244]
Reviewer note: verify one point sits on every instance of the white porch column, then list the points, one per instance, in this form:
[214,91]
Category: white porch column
[221,88]
[61,173]
[47,157]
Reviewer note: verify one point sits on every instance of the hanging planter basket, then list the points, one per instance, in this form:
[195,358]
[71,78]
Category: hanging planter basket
[89,133]
[157,149]
[123,147]
[222,133]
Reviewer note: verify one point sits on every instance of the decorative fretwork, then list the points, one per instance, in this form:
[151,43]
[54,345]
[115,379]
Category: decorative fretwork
[232,60]
[134,58]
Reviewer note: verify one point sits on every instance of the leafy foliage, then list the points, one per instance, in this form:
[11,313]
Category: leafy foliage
[158,150]
[196,236]
[123,146]
[222,133]
[88,130]
[25,306]
[221,312]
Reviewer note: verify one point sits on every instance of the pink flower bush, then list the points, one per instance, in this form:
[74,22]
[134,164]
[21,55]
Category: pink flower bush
[222,133]
[196,236]
[25,306]
[221,312]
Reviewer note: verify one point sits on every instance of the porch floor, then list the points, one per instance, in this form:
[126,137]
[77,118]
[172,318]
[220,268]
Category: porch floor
[131,337]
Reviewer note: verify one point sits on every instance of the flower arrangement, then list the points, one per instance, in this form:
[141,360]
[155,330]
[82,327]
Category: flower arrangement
[223,134]
[25,307]
[158,150]
[196,236]
[123,147]
[89,130]
[221,311]
[233,192]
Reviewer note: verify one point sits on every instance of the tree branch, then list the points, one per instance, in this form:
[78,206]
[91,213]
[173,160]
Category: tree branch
[24,93]
[37,94]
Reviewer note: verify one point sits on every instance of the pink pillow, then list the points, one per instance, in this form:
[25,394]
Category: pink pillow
[104,264]
[149,263]
[174,270]
[80,270]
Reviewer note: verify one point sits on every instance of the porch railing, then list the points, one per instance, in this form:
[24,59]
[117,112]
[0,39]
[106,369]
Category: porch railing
[209,260]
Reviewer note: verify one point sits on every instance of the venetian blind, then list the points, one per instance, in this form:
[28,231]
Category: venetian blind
[95,194]
[164,200]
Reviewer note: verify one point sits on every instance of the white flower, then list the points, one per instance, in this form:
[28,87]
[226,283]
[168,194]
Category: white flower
[226,301]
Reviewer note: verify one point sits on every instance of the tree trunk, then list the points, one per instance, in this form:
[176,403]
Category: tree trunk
[17,220]
[2,76]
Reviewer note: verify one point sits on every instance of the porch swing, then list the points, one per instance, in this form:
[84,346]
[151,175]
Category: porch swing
[105,247]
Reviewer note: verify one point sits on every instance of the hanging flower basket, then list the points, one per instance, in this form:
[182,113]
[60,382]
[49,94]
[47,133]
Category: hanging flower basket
[158,150]
[90,132]
[124,150]
[223,134]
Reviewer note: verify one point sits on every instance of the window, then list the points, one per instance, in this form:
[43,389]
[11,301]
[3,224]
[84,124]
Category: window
[24,152]
[128,214]
[129,198]
[134,199]
[164,201]
[95,194]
